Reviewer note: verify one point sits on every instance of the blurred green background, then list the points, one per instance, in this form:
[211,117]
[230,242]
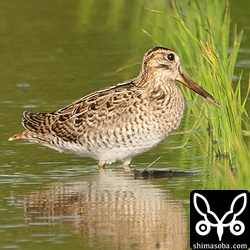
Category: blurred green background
[52,53]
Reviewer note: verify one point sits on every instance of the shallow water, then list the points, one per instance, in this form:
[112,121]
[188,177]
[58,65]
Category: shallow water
[52,53]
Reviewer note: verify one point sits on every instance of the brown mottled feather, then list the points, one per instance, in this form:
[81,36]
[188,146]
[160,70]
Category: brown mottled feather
[84,114]
[119,122]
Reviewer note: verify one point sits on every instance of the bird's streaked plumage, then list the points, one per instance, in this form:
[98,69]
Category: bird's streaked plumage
[121,121]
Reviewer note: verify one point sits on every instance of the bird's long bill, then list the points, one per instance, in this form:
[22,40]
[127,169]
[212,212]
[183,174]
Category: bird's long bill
[196,88]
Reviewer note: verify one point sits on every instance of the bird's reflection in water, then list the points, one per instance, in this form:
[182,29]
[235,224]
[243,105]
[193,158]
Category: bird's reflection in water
[112,209]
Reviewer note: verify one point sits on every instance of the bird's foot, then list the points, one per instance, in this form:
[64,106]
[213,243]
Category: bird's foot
[126,166]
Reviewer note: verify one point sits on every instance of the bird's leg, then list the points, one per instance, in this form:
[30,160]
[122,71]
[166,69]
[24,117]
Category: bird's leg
[101,165]
[126,166]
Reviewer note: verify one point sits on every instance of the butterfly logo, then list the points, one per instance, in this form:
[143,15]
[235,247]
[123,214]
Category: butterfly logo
[203,227]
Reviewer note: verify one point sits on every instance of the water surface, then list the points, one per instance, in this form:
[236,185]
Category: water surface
[53,53]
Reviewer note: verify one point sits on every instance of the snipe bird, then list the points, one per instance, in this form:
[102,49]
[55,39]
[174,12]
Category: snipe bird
[121,121]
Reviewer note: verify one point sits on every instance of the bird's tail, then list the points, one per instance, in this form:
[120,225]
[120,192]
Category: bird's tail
[16,137]
[35,124]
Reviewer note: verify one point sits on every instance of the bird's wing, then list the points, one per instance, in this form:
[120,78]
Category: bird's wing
[87,113]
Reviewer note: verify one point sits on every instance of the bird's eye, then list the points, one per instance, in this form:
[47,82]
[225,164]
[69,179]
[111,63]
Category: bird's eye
[171,57]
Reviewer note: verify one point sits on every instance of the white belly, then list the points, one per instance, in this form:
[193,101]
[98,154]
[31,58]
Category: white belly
[112,151]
